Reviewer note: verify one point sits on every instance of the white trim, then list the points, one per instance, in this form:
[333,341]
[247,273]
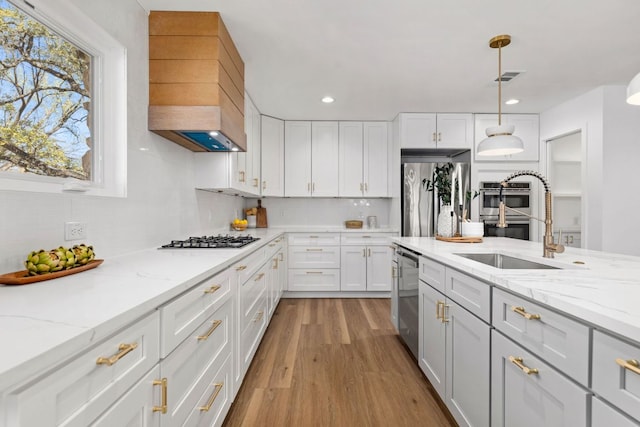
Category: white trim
[109,131]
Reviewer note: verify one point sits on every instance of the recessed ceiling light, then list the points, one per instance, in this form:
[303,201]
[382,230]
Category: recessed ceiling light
[511,101]
[328,99]
[213,133]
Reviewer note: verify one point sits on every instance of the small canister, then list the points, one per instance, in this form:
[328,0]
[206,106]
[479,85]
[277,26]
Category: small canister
[372,221]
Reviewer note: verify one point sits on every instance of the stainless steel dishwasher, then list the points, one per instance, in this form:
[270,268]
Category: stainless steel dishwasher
[408,298]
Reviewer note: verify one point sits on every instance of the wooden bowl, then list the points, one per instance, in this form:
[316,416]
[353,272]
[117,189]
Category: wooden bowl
[353,223]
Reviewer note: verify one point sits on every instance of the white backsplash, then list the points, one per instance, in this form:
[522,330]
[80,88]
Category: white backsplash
[161,202]
[317,211]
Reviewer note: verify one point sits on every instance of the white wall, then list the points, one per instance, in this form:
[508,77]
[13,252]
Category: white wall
[611,152]
[161,204]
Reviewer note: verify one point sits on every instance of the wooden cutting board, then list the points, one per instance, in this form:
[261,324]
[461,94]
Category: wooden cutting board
[261,216]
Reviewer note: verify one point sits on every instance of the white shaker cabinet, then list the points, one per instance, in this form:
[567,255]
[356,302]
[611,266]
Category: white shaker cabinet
[272,147]
[297,159]
[527,392]
[363,160]
[324,153]
[526,128]
[430,130]
[364,260]
[603,415]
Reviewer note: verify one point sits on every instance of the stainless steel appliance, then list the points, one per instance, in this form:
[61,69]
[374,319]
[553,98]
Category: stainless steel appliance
[420,208]
[408,298]
[211,242]
[518,196]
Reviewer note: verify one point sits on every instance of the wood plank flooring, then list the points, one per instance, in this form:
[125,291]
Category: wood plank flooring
[334,362]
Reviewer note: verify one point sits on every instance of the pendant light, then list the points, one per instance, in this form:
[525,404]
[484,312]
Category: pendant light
[500,139]
[633,91]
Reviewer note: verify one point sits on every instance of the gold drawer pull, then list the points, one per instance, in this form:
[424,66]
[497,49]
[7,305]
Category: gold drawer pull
[260,276]
[259,316]
[272,244]
[314,249]
[314,272]
[214,326]
[212,289]
[241,267]
[632,365]
[518,362]
[275,263]
[216,391]
[123,350]
[163,405]
[521,311]
[443,319]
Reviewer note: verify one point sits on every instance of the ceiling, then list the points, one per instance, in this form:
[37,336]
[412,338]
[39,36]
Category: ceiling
[378,58]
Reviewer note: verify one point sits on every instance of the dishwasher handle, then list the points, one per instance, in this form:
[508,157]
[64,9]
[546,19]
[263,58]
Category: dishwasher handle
[409,257]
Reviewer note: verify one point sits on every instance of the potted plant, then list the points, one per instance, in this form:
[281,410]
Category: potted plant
[441,182]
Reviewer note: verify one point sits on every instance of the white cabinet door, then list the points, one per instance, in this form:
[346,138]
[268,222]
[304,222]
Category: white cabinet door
[467,366]
[418,130]
[272,146]
[255,186]
[353,268]
[526,128]
[431,337]
[603,415]
[541,398]
[351,159]
[324,155]
[454,131]
[378,274]
[297,159]
[325,279]
[375,159]
[135,408]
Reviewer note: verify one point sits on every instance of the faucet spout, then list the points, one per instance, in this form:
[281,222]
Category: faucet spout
[549,247]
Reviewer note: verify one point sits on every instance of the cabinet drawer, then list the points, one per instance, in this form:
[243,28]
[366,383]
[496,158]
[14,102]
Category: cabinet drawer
[612,381]
[182,316]
[603,415]
[213,405]
[313,239]
[249,265]
[314,257]
[252,334]
[470,293]
[273,247]
[562,342]
[250,294]
[190,368]
[314,280]
[365,239]
[432,273]
[545,398]
[76,393]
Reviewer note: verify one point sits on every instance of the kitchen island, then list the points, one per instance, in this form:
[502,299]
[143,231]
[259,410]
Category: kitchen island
[550,346]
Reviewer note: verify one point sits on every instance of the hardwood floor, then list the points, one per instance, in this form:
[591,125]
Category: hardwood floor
[334,362]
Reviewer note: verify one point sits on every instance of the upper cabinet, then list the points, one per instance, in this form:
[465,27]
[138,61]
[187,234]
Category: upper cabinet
[196,81]
[430,130]
[272,141]
[526,128]
[363,159]
[311,150]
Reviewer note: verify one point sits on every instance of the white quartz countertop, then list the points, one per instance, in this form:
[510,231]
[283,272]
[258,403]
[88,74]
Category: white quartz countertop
[604,291]
[52,320]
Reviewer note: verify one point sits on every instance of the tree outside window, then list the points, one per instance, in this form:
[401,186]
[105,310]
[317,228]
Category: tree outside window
[45,100]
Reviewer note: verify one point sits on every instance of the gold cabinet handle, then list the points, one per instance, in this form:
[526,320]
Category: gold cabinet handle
[272,244]
[313,187]
[241,267]
[433,137]
[259,316]
[518,362]
[214,326]
[313,237]
[163,404]
[369,252]
[256,182]
[314,249]
[361,187]
[364,253]
[260,276]
[212,398]
[123,350]
[366,187]
[393,272]
[264,185]
[632,365]
[439,136]
[522,312]
[443,319]
[212,289]
[314,272]
[281,256]
[275,263]
[242,177]
[366,236]
[438,304]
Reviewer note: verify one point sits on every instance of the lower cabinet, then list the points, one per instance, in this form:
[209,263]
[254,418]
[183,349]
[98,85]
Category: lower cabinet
[603,415]
[453,352]
[527,392]
[365,268]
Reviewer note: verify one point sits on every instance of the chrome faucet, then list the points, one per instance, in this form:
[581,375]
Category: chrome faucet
[549,247]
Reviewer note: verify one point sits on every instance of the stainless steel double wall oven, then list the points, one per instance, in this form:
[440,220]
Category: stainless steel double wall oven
[518,196]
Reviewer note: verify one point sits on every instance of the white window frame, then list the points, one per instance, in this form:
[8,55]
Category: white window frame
[108,103]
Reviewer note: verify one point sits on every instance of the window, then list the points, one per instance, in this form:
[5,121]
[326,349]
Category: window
[62,99]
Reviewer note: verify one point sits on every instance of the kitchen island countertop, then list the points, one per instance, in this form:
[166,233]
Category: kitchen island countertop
[603,291]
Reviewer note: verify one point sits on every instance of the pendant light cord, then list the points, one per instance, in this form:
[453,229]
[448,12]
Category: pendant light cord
[499,83]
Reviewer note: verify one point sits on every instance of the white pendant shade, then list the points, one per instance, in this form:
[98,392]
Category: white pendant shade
[633,91]
[500,141]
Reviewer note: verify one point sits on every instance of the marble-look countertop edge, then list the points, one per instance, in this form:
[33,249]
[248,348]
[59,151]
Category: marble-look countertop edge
[595,294]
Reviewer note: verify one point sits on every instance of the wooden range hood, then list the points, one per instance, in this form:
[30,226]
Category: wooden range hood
[196,82]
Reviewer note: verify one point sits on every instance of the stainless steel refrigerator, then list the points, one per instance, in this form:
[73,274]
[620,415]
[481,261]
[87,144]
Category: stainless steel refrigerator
[420,208]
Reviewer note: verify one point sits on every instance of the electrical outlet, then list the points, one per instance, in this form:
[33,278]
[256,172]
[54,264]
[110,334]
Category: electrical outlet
[75,230]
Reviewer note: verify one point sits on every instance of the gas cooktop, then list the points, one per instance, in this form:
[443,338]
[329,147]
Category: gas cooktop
[211,242]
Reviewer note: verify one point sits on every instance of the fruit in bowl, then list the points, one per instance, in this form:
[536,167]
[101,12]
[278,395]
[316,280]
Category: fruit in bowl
[239,224]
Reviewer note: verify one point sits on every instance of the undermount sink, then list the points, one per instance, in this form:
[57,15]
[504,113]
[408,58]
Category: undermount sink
[507,262]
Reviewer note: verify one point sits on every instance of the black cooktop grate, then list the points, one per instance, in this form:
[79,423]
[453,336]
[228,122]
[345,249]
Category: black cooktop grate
[211,242]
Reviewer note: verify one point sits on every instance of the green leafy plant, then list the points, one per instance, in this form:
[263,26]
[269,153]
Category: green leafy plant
[441,181]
